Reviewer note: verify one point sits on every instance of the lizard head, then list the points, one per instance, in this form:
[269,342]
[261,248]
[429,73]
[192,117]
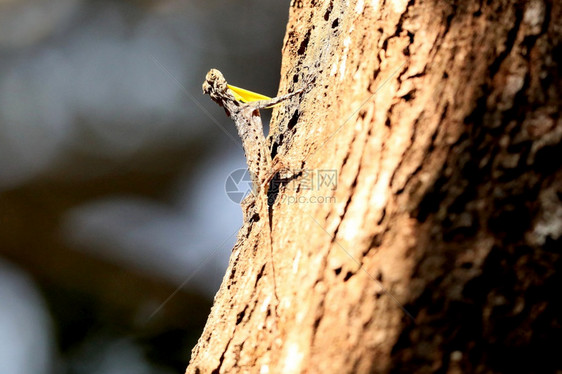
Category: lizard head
[215,86]
[214,83]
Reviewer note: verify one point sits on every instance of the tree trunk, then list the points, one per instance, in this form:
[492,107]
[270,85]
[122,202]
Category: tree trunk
[419,230]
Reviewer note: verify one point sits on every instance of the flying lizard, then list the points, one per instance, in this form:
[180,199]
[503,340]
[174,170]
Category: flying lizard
[243,107]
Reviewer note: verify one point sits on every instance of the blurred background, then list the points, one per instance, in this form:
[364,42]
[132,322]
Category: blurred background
[115,226]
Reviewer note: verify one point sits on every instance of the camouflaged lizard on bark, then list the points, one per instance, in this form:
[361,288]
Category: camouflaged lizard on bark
[248,122]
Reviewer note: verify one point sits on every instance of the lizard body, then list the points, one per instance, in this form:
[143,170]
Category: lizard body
[248,122]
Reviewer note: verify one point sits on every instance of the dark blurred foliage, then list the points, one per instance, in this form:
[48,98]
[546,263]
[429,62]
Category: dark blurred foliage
[112,205]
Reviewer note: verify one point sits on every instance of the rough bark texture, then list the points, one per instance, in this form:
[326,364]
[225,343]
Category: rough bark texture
[442,121]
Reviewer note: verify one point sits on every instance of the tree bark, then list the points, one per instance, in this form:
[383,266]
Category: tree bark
[441,122]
